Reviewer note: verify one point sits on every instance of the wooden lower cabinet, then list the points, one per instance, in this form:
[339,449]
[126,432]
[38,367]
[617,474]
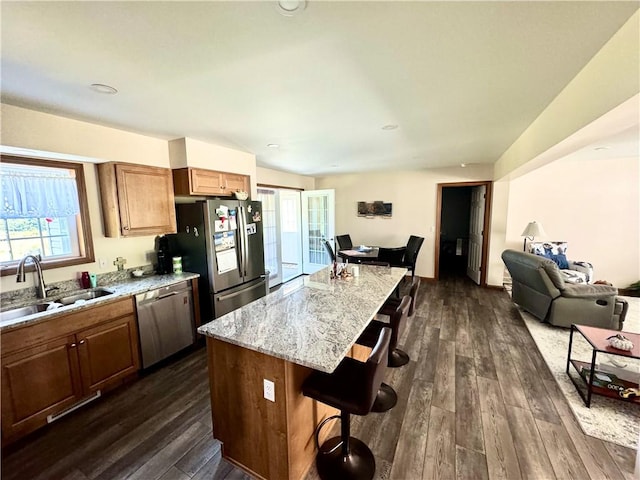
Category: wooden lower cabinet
[38,382]
[48,377]
[107,353]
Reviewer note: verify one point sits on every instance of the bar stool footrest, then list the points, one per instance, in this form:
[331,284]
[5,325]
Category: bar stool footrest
[359,464]
[385,400]
[398,358]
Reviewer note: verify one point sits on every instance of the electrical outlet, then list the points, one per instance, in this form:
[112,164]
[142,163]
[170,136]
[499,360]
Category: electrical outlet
[103,263]
[269,390]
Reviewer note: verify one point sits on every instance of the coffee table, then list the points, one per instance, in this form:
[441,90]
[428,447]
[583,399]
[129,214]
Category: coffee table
[604,382]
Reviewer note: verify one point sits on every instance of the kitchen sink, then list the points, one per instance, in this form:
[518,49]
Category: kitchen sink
[22,312]
[41,307]
[71,299]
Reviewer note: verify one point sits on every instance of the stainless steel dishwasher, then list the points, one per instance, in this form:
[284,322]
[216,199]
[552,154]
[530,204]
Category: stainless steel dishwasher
[165,321]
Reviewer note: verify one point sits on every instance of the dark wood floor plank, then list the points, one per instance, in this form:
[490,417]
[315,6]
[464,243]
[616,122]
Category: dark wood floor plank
[562,453]
[540,404]
[478,317]
[448,323]
[532,456]
[444,385]
[174,474]
[470,465]
[411,448]
[508,377]
[440,457]
[624,457]
[463,330]
[468,414]
[427,360]
[594,455]
[201,453]
[502,461]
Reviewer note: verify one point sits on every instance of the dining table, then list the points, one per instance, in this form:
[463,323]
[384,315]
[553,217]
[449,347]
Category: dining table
[260,354]
[360,254]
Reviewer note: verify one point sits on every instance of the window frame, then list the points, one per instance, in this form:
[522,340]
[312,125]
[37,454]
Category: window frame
[83,224]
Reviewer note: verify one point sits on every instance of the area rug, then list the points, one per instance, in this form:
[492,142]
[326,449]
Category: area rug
[608,419]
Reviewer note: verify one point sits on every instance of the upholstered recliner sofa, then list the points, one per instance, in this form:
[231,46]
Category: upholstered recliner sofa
[540,289]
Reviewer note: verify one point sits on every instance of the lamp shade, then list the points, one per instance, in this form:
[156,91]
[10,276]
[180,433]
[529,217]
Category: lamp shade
[533,229]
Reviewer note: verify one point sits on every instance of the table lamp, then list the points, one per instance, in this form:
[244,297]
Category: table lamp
[532,230]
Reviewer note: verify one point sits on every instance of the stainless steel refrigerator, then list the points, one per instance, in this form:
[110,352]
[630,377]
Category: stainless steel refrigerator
[222,241]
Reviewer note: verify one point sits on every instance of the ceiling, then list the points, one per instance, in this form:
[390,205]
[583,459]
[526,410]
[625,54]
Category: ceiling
[461,80]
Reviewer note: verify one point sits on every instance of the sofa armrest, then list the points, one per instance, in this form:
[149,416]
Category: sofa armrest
[581,290]
[584,267]
[620,311]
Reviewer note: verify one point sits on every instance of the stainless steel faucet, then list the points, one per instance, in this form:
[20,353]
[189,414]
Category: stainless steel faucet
[40,288]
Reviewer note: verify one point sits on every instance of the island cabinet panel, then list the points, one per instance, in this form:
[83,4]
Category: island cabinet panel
[50,366]
[270,440]
[198,181]
[136,199]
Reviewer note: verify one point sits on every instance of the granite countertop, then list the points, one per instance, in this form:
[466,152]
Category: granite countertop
[311,321]
[120,289]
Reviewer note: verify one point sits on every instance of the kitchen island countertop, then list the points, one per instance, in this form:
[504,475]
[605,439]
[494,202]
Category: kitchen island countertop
[311,321]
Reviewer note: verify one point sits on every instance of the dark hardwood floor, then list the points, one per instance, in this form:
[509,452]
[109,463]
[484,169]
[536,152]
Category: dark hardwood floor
[476,401]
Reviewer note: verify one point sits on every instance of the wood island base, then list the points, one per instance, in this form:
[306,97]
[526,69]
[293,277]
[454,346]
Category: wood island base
[270,440]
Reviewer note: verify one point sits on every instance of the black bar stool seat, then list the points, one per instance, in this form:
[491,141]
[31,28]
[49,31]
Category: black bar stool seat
[352,388]
[398,321]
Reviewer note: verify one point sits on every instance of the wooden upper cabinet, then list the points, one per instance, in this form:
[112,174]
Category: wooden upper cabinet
[197,181]
[136,199]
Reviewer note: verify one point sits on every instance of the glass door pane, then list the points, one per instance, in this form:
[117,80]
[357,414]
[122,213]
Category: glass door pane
[291,234]
[270,229]
[318,225]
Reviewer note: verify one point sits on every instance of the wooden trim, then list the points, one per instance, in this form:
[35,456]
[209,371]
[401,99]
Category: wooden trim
[87,254]
[109,199]
[266,185]
[485,228]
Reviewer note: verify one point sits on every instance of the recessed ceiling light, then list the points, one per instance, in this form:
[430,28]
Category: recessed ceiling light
[463,165]
[273,145]
[390,127]
[102,88]
[289,8]
[604,147]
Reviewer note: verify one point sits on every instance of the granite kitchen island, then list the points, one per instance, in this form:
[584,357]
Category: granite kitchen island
[309,323]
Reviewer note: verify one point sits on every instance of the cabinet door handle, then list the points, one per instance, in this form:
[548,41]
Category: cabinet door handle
[82,341]
[125,227]
[73,345]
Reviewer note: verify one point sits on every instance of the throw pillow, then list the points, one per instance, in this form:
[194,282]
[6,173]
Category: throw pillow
[556,251]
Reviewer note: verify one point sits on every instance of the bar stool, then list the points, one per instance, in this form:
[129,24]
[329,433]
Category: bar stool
[387,397]
[352,388]
[391,303]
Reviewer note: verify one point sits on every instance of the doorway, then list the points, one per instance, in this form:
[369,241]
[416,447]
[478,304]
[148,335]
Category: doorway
[295,224]
[462,228]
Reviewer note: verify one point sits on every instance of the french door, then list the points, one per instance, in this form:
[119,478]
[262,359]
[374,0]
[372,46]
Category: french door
[318,225]
[295,225]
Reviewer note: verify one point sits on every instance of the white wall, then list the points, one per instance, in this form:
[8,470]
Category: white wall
[594,205]
[608,80]
[413,195]
[276,178]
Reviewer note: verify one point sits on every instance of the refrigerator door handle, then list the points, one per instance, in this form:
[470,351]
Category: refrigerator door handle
[243,238]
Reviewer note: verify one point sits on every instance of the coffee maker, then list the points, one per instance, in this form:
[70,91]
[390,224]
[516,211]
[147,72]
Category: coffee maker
[163,254]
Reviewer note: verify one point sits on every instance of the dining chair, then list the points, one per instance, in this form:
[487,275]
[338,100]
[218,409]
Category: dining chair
[332,255]
[344,242]
[411,253]
[392,256]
